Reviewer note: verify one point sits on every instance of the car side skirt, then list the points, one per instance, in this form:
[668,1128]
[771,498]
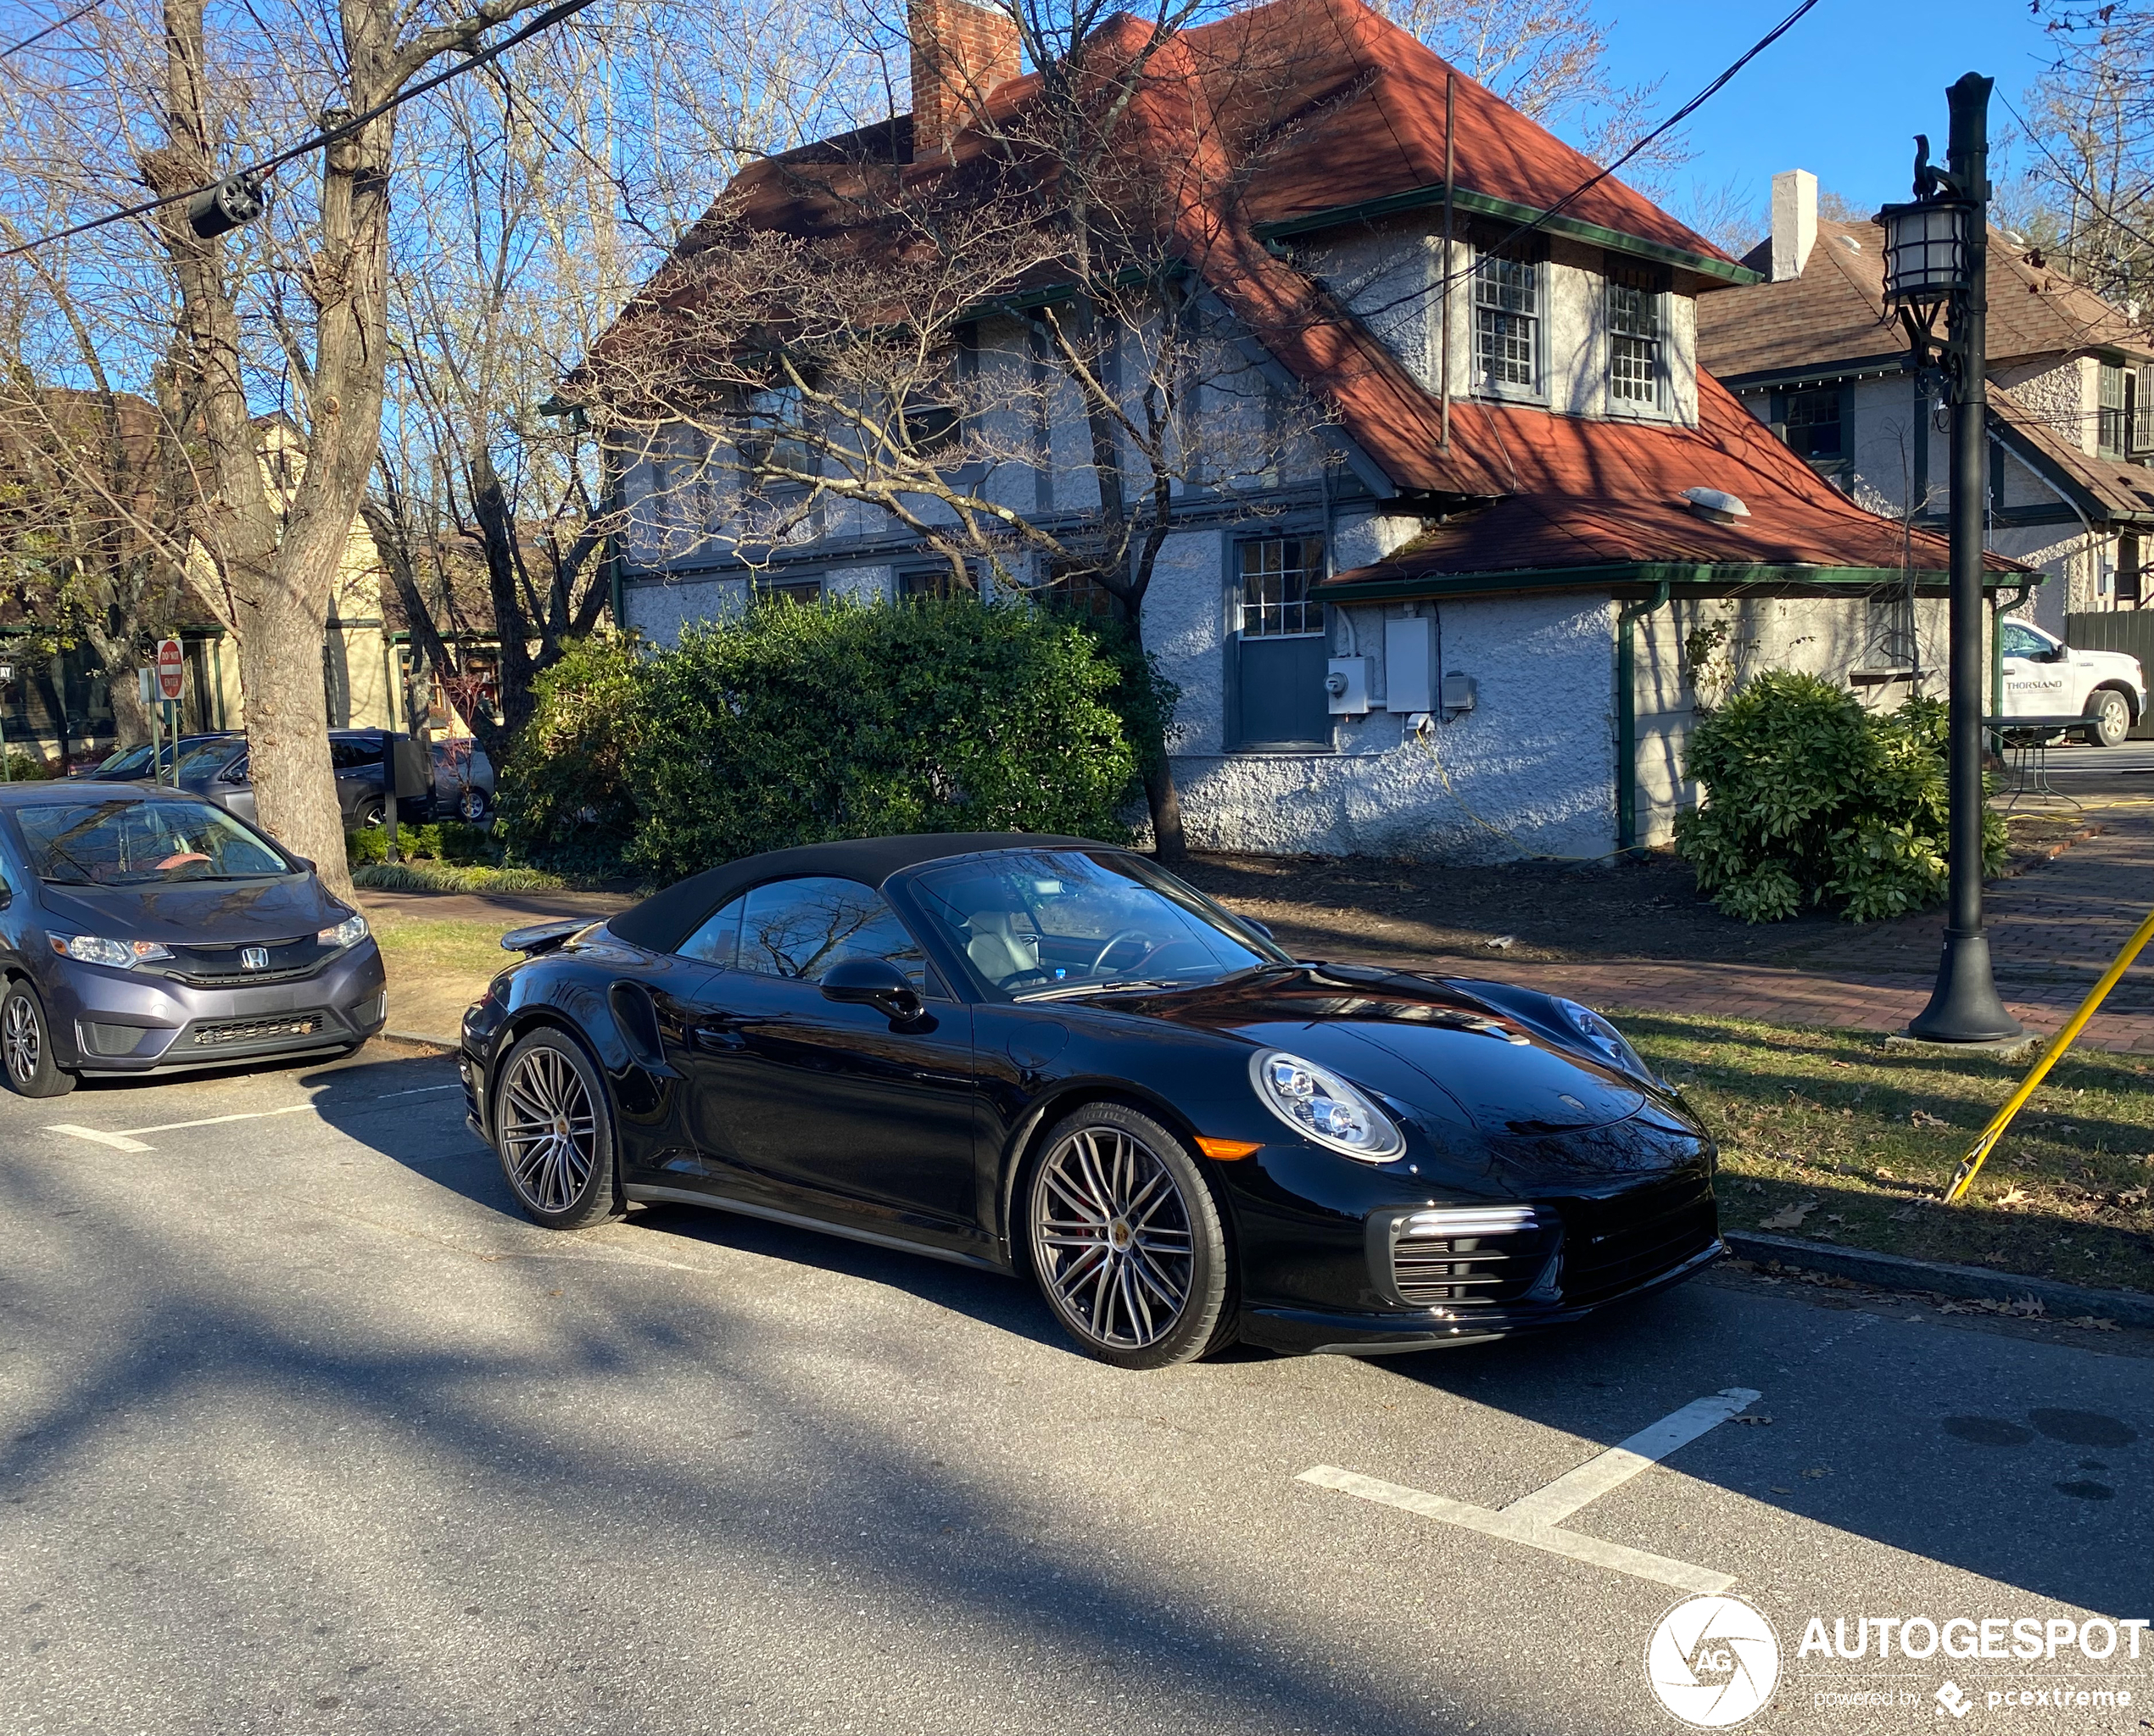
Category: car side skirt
[649,1193]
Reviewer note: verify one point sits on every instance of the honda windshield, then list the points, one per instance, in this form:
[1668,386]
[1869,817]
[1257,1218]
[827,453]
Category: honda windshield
[138,843]
[1042,922]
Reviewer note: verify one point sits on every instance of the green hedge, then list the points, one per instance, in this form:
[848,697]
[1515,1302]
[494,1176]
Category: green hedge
[793,724]
[1811,800]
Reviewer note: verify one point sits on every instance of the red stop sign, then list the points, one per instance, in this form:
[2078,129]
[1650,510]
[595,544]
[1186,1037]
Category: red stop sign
[171,668]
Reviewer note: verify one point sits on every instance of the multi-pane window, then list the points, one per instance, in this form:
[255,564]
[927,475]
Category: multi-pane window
[1812,422]
[804,591]
[2143,409]
[1635,335]
[1506,324]
[1276,574]
[773,422]
[936,581]
[1077,587]
[2109,429]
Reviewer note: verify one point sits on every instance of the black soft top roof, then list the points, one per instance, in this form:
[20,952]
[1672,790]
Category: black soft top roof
[666,918]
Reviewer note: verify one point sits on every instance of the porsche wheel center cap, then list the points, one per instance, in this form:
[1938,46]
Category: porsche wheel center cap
[1118,1233]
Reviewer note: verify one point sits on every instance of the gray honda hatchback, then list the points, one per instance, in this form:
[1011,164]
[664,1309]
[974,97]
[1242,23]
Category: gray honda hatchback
[144,930]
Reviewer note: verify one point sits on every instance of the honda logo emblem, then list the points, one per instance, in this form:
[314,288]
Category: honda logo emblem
[254,957]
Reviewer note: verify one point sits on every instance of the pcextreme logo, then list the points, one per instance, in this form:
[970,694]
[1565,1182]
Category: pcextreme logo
[1713,1661]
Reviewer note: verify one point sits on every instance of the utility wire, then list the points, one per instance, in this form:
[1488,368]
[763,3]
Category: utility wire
[79,12]
[254,171]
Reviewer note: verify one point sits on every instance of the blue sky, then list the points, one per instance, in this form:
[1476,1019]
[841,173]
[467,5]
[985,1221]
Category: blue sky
[1842,94]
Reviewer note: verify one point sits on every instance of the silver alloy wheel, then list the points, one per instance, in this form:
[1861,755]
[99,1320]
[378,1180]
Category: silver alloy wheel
[549,1134]
[2115,712]
[19,1034]
[1111,1238]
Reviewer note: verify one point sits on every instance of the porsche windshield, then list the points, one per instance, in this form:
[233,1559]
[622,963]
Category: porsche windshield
[136,843]
[1038,923]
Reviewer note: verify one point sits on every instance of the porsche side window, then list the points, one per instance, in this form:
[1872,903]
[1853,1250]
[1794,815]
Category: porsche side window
[800,928]
[719,940]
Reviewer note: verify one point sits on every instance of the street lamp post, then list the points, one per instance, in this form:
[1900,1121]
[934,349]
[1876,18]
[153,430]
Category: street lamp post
[1937,262]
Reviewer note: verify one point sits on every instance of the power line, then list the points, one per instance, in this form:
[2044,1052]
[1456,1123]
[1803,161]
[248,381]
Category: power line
[255,171]
[79,12]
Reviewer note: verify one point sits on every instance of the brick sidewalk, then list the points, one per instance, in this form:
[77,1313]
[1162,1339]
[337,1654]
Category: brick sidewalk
[2053,932]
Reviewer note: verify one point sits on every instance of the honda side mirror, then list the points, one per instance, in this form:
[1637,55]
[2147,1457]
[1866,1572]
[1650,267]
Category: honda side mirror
[873,982]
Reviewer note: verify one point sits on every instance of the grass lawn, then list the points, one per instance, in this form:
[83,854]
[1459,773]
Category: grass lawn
[413,948]
[1835,1138]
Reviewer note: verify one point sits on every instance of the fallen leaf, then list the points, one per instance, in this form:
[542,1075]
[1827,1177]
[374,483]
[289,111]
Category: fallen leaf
[1906,1214]
[1778,1490]
[1788,1217]
[1834,1217]
[2091,1323]
[1843,1064]
[2014,1196]
[1923,1118]
[1819,1471]
[1762,1422]
[1502,943]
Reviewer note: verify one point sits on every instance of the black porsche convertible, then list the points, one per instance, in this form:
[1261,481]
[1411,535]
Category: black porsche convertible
[1041,1053]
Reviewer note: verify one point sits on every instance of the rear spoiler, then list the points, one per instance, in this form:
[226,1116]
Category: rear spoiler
[543,937]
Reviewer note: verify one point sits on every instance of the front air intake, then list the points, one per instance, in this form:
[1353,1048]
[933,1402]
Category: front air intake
[1471,1255]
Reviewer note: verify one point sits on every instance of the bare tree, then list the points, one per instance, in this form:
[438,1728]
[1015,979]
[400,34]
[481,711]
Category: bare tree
[1008,359]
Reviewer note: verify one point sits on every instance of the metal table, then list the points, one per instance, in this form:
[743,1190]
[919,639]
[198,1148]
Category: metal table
[2028,741]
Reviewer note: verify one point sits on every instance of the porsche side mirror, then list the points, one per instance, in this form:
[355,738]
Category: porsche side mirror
[6,895]
[1264,928]
[873,982]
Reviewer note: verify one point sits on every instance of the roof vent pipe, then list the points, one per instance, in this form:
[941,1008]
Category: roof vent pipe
[1794,222]
[1715,503]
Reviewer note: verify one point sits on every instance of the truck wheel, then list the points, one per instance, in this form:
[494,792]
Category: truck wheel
[2112,715]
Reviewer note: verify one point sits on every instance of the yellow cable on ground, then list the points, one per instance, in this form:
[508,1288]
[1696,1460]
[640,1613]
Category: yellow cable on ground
[2052,1053]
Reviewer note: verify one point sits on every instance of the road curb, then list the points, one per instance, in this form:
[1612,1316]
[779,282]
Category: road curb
[450,1044]
[1893,1272]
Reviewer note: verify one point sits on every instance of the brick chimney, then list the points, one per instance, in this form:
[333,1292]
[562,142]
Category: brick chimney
[1794,222]
[960,53]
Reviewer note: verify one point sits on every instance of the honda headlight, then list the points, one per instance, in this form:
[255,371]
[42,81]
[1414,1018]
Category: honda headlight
[1606,1040]
[96,949]
[348,933]
[1317,1103]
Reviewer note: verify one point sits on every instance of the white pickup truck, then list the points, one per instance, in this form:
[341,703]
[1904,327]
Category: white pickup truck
[2045,679]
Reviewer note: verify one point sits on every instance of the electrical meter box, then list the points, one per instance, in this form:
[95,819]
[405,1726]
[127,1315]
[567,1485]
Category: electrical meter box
[1346,686]
[1410,664]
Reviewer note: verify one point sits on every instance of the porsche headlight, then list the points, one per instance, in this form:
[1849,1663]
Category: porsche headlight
[348,933]
[1317,1103]
[1605,1040]
[96,949]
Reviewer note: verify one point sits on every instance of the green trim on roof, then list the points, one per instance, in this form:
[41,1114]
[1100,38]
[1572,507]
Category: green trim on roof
[1485,205]
[1634,575]
[1820,373]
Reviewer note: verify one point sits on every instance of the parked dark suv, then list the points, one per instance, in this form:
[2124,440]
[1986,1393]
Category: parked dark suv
[217,769]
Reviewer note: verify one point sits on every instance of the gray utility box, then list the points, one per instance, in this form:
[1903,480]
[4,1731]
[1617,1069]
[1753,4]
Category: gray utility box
[1410,664]
[1346,686]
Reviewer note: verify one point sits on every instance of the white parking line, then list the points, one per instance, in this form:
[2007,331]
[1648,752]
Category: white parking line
[127,1141]
[1533,1519]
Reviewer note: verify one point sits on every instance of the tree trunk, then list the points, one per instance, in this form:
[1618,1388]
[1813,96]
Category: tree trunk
[288,725]
[497,529]
[131,721]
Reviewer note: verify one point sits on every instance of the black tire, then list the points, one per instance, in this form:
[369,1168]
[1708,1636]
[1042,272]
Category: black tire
[1141,1295]
[553,1131]
[367,816]
[2114,712]
[27,1044]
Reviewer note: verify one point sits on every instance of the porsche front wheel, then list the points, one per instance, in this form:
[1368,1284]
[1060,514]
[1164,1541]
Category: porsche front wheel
[1126,1240]
[554,1132]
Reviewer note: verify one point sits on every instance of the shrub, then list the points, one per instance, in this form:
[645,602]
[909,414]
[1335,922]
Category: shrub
[564,799]
[438,840]
[1810,799]
[27,768]
[792,725]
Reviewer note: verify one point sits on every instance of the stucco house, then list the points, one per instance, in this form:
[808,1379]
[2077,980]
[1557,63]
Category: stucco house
[1474,614]
[1810,350]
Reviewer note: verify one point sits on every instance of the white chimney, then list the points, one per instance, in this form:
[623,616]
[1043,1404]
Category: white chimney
[1794,222]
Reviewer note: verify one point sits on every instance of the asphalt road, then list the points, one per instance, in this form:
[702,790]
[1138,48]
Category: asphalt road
[303,1429]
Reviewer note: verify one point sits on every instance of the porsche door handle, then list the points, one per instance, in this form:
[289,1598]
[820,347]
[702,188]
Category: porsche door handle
[716,1038]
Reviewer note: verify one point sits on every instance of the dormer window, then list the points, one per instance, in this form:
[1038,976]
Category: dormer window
[1507,324]
[1637,333]
[2111,426]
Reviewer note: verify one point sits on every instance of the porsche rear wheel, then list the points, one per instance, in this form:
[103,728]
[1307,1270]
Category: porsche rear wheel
[554,1132]
[1126,1240]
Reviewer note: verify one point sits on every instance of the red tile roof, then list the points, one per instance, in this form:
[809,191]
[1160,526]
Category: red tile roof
[1591,493]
